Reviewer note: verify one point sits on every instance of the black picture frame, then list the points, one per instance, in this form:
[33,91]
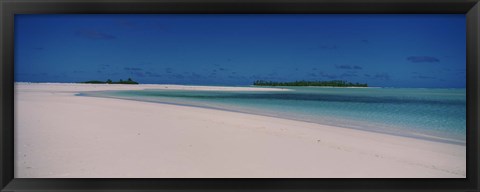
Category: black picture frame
[9,8]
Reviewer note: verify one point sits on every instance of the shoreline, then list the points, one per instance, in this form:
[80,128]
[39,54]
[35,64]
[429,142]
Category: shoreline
[58,135]
[112,87]
[412,135]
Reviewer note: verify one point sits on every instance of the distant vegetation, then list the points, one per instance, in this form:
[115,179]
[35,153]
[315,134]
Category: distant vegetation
[129,81]
[334,83]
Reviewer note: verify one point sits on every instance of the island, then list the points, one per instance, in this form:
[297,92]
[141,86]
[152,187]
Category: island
[128,81]
[333,83]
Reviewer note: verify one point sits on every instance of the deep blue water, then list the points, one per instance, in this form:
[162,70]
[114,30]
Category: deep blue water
[432,114]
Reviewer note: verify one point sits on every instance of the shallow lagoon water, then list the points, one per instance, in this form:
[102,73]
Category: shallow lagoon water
[431,114]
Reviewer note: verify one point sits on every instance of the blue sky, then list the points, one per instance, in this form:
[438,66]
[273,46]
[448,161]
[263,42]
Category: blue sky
[381,50]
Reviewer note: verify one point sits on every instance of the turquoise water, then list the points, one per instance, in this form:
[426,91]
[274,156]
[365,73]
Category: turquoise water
[431,114]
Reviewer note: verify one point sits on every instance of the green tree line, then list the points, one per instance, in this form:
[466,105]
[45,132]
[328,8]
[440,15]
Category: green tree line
[128,81]
[333,83]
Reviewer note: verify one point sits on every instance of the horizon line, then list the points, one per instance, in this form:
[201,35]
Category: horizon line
[239,85]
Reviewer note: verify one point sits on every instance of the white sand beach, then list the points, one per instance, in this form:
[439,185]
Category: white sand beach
[60,135]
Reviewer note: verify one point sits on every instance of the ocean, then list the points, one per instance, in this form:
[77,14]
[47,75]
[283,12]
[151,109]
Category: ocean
[424,113]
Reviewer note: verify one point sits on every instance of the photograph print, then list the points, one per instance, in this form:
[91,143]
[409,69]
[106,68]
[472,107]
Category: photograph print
[240,96]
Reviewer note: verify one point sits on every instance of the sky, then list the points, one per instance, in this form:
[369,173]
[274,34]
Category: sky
[424,50]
